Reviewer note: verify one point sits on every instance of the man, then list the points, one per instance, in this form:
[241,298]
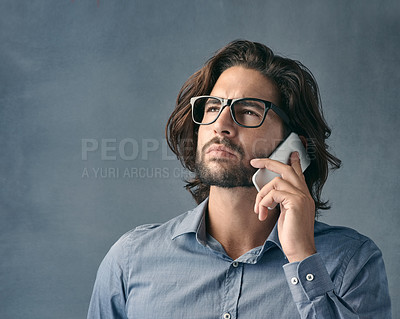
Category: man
[243,254]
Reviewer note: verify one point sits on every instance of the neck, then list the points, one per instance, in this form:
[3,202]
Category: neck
[231,220]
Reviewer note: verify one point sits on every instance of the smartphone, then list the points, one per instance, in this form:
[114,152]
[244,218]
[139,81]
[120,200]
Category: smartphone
[282,154]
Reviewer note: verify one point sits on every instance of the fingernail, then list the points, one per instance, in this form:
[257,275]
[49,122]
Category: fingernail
[254,162]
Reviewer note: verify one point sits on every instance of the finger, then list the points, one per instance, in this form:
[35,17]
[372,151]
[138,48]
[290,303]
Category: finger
[278,184]
[275,197]
[295,163]
[264,212]
[260,162]
[259,209]
[286,171]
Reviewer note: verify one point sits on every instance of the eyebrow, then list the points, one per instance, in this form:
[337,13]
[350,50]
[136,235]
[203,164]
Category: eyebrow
[252,103]
[212,101]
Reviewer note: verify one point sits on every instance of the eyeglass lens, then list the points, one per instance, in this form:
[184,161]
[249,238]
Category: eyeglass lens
[246,112]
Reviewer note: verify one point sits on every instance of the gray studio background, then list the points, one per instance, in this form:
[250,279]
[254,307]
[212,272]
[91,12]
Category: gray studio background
[87,86]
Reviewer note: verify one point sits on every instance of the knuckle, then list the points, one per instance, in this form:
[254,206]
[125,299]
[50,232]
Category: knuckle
[273,194]
[263,191]
[288,170]
[305,198]
[276,179]
[266,199]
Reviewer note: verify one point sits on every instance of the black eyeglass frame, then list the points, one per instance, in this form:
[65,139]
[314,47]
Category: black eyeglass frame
[229,102]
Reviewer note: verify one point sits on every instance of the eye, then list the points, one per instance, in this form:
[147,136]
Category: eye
[211,109]
[249,108]
[250,112]
[212,106]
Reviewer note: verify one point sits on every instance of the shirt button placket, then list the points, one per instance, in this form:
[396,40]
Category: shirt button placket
[310,277]
[294,281]
[233,283]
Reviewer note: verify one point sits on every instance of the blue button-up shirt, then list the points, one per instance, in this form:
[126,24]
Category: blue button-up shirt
[176,270]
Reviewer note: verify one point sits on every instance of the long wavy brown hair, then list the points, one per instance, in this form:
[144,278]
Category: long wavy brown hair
[300,99]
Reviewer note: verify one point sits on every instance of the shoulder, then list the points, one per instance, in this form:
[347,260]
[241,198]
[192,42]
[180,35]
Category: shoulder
[339,235]
[148,235]
[353,260]
[322,229]
[344,249]
[342,240]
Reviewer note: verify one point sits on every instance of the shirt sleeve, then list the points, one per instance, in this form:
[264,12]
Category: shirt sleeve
[360,291]
[109,292]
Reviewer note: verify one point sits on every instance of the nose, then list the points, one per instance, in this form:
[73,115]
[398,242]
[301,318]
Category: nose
[224,125]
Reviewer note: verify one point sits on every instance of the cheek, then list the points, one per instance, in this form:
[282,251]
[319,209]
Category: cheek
[202,137]
[263,145]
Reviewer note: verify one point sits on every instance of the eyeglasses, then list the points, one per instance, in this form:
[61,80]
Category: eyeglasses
[246,112]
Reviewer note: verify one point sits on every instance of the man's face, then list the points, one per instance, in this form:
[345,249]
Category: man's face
[224,149]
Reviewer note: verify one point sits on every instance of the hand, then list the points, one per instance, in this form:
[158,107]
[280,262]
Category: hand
[290,191]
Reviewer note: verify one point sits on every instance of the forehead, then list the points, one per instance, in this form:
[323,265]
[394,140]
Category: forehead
[239,82]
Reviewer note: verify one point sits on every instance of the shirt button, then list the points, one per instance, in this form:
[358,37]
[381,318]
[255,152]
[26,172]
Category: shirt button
[294,281]
[235,264]
[227,315]
[310,277]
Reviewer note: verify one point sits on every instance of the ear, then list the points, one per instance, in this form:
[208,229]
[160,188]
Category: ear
[304,141]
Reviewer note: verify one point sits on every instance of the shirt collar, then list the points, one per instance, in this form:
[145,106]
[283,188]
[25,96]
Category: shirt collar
[194,222]
[273,238]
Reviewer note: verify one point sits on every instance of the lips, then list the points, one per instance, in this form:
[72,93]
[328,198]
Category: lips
[220,150]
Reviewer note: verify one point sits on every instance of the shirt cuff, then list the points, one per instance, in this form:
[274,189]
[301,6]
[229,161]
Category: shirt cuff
[308,279]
